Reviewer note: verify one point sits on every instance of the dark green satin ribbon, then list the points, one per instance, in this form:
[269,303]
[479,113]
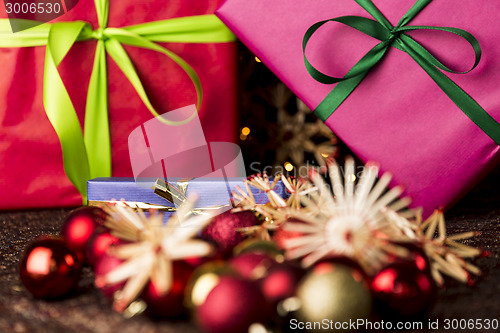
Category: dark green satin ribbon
[88,155]
[391,36]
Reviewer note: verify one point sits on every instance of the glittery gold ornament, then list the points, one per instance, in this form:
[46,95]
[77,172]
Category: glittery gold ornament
[330,293]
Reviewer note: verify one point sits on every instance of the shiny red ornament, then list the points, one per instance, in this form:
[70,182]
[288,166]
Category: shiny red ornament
[404,289]
[252,265]
[79,226]
[105,264]
[232,306]
[281,282]
[49,269]
[203,279]
[171,304]
[416,254]
[196,262]
[223,230]
[98,244]
[281,235]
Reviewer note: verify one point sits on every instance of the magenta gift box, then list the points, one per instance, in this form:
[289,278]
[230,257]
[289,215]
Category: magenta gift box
[397,117]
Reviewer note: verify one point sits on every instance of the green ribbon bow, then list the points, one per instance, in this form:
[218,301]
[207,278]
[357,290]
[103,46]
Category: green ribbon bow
[391,36]
[89,156]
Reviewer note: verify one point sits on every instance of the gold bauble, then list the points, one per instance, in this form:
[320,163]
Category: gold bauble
[332,294]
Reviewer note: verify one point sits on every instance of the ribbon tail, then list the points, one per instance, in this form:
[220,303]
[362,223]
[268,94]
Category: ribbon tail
[461,99]
[337,96]
[414,10]
[119,55]
[344,88]
[102,8]
[59,107]
[370,7]
[97,138]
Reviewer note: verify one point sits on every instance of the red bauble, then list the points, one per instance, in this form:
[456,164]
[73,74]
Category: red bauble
[98,244]
[223,229]
[171,304]
[404,289]
[417,255]
[252,265]
[203,279]
[79,226]
[232,306]
[48,268]
[195,262]
[105,264]
[281,282]
[281,235]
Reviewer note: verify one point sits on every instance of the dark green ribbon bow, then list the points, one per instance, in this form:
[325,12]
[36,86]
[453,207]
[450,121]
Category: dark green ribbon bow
[391,36]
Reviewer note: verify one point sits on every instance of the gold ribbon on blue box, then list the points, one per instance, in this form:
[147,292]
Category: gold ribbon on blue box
[213,193]
[174,194]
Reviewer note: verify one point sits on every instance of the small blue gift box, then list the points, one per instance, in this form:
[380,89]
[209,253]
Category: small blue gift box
[156,193]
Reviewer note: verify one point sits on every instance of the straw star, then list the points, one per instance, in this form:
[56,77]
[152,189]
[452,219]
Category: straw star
[246,202]
[347,220]
[275,212]
[297,188]
[446,255]
[152,248]
[298,136]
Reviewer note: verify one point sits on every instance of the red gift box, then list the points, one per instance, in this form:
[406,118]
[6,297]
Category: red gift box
[32,173]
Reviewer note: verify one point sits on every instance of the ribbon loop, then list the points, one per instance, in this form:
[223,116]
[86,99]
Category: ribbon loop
[119,55]
[397,37]
[58,105]
[368,26]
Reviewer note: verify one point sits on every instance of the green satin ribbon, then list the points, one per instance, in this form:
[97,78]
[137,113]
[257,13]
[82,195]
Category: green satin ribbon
[88,155]
[391,36]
